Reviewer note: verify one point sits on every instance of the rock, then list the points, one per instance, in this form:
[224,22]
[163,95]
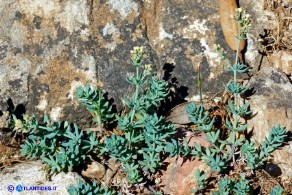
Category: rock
[94,170]
[272,104]
[266,18]
[282,60]
[179,176]
[33,174]
[113,167]
[49,48]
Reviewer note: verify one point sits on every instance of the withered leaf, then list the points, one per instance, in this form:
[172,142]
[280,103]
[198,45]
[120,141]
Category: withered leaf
[229,25]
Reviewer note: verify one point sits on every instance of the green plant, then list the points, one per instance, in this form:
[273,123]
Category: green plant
[256,158]
[242,187]
[60,145]
[229,145]
[147,136]
[199,81]
[230,186]
[225,185]
[201,181]
[87,189]
[215,156]
[277,190]
[96,104]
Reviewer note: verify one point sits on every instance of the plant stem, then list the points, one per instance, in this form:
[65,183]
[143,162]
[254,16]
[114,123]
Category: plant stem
[200,84]
[234,71]
[136,94]
[235,117]
[98,113]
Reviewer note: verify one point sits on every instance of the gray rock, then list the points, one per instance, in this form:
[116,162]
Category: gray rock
[49,48]
[33,174]
[272,104]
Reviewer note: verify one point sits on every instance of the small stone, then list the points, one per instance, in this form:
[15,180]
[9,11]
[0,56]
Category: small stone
[113,167]
[179,176]
[273,169]
[32,173]
[94,171]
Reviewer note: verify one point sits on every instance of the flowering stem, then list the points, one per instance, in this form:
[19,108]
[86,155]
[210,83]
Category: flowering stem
[200,84]
[98,112]
[136,93]
[235,116]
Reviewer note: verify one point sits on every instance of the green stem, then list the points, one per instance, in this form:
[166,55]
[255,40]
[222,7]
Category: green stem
[234,71]
[98,112]
[136,94]
[131,138]
[200,85]
[235,117]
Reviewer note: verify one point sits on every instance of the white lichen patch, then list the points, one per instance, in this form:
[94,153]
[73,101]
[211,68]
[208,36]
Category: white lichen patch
[196,27]
[42,105]
[195,98]
[88,63]
[74,15]
[199,26]
[111,46]
[109,29]
[163,34]
[252,51]
[55,114]
[84,34]
[211,76]
[3,74]
[124,7]
[212,56]
[43,8]
[18,34]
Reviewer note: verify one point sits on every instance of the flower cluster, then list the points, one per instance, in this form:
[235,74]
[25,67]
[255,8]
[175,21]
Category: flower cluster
[136,55]
[243,20]
[23,126]
[147,69]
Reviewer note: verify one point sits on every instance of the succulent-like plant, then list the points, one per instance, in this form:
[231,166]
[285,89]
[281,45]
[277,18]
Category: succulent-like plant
[230,186]
[201,181]
[277,190]
[60,145]
[96,104]
[233,147]
[87,189]
[147,139]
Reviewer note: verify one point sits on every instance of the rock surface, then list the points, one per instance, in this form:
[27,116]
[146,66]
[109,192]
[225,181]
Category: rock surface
[48,48]
[94,170]
[282,60]
[33,174]
[272,104]
[179,176]
[267,17]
